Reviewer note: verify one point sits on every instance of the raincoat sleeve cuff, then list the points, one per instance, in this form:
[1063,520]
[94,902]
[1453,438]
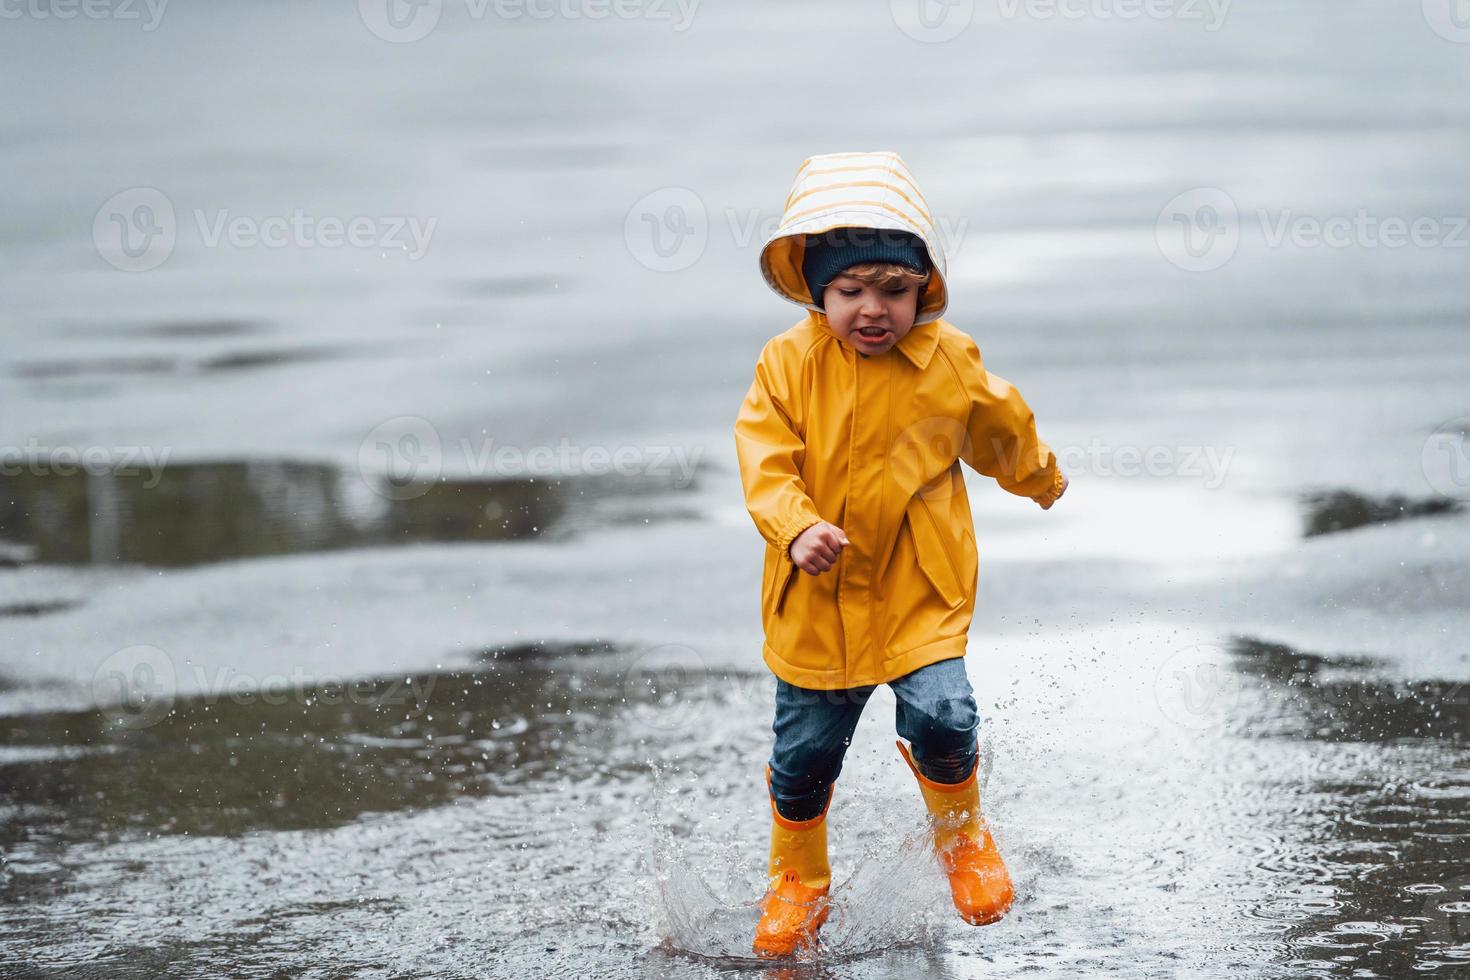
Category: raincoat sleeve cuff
[789,533]
[1052,492]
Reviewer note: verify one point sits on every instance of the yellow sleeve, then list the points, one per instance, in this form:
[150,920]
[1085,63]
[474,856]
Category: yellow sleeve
[770,452]
[1002,439]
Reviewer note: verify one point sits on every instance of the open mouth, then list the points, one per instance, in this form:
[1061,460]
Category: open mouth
[872,333]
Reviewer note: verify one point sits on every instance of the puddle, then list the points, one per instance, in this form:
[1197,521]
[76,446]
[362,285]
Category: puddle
[36,608]
[202,329]
[46,370]
[91,808]
[178,365]
[1340,699]
[1362,881]
[195,513]
[1342,510]
[172,329]
[309,756]
[1374,885]
[270,358]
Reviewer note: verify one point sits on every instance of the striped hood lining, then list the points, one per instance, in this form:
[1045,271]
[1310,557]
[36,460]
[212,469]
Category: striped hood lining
[851,190]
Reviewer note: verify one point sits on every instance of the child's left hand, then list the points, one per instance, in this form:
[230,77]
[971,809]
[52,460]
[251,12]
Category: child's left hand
[1065,481]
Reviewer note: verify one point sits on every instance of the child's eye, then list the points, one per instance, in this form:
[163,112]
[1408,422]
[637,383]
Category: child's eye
[896,290]
[848,292]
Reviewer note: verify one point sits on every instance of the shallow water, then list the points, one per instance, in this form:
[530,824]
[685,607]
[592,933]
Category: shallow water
[580,810]
[190,514]
[335,691]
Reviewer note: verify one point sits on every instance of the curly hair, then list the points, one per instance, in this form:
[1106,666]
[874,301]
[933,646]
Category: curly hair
[887,274]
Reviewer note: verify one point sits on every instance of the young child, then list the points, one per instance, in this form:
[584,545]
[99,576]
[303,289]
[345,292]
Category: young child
[849,443]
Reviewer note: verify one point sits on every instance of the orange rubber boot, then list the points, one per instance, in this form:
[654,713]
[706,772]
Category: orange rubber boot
[795,903]
[978,880]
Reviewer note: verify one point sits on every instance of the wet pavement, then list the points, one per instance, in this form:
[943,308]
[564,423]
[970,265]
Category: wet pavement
[583,809]
[304,681]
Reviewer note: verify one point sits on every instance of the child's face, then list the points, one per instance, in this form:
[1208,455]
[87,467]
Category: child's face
[870,317]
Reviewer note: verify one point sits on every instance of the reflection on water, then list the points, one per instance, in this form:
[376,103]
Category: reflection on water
[1377,882]
[313,757]
[169,329]
[1339,699]
[300,757]
[205,364]
[35,608]
[1342,510]
[194,513]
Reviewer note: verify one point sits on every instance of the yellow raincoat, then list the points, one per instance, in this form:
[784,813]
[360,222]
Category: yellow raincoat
[872,444]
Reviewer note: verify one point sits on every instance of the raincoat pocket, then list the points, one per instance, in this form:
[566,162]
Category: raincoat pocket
[780,571]
[935,558]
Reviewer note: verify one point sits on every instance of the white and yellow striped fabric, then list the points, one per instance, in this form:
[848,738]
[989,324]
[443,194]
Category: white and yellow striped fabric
[851,190]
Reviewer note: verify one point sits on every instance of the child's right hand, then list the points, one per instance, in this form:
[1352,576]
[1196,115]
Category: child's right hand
[1065,483]
[815,550]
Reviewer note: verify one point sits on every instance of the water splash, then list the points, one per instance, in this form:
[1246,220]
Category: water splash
[710,881]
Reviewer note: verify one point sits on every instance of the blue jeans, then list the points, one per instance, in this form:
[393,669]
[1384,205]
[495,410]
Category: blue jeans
[936,714]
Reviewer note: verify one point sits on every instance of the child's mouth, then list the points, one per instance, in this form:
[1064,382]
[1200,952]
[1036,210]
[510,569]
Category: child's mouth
[872,334]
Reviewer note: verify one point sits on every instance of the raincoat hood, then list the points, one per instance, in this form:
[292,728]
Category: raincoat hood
[851,190]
